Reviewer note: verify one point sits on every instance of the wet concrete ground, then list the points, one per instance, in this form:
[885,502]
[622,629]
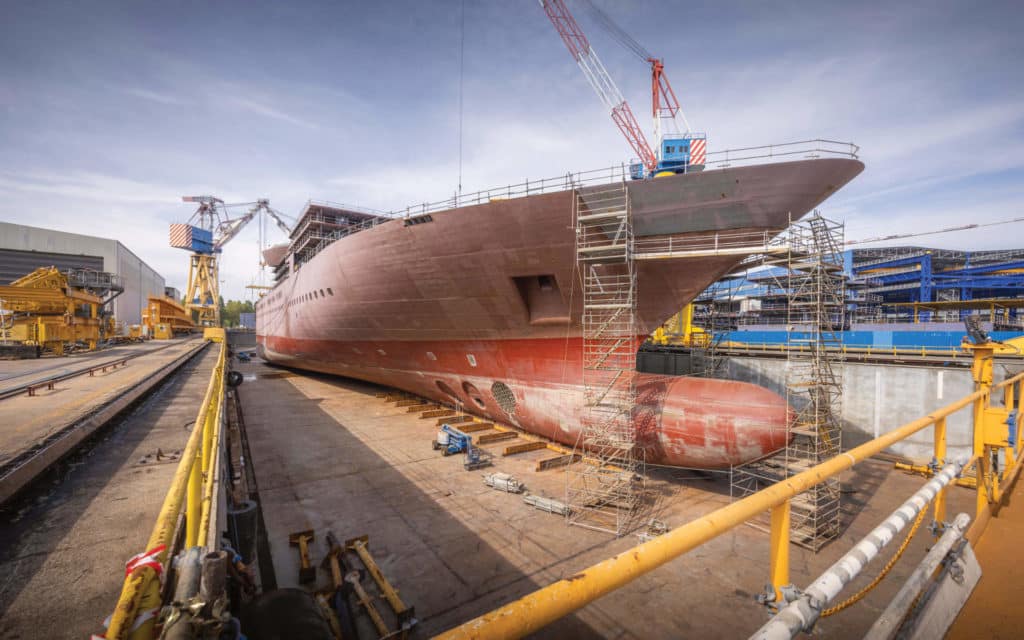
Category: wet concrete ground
[329,455]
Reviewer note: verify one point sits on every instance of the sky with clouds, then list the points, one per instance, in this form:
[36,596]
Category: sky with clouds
[111,111]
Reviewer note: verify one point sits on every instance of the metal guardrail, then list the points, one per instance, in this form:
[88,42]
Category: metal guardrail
[618,173]
[707,244]
[990,435]
[191,494]
[782,347]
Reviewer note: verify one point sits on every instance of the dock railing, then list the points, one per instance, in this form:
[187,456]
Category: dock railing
[995,430]
[192,496]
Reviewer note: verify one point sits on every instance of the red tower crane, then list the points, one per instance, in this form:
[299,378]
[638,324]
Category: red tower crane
[581,51]
[676,153]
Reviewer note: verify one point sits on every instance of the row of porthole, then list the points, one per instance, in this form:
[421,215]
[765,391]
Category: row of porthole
[312,295]
[500,393]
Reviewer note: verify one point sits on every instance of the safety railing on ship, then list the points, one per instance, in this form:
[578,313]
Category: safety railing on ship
[707,244]
[192,495]
[715,160]
[995,431]
[572,180]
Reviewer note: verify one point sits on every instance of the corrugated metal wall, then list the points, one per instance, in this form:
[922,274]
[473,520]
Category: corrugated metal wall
[15,264]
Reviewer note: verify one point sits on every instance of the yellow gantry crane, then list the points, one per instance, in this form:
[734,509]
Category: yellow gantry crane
[205,234]
[51,309]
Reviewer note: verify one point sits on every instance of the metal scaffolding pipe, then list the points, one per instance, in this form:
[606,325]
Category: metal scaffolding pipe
[803,613]
[542,607]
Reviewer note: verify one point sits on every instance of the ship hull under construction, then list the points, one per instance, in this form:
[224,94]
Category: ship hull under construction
[480,306]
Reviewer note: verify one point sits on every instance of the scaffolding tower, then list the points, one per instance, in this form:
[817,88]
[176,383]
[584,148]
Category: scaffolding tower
[811,275]
[605,490]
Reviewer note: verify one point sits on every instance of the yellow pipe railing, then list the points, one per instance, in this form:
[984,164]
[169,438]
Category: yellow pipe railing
[134,616]
[542,607]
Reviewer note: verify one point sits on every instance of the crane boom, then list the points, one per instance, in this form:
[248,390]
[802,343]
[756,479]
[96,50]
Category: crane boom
[585,56]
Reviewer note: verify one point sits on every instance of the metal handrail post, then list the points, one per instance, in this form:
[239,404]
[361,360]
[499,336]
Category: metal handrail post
[802,613]
[141,590]
[940,459]
[542,607]
[779,547]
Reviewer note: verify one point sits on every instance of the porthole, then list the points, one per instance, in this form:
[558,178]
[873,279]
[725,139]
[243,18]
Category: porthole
[474,394]
[445,389]
[503,395]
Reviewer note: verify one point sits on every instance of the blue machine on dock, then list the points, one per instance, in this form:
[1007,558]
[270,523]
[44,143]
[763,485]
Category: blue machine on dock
[451,441]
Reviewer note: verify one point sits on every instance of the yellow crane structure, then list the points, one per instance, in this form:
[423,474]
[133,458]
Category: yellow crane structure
[51,309]
[679,330]
[205,234]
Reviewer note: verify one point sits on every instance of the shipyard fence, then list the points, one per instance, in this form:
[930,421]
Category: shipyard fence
[996,436]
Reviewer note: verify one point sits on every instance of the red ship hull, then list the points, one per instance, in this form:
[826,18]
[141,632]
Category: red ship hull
[481,306]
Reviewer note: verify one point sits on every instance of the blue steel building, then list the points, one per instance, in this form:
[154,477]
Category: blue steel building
[895,296]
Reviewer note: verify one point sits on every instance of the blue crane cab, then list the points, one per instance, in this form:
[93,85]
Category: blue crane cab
[678,153]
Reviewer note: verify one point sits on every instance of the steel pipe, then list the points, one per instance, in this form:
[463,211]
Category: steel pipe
[542,607]
[141,589]
[888,624]
[803,613]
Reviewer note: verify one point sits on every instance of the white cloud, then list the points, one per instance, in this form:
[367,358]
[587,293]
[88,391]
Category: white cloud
[248,104]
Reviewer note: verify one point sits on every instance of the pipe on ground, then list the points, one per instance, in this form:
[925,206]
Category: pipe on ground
[802,613]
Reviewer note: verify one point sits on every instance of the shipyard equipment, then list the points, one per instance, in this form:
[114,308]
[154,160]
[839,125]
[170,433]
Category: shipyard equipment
[51,309]
[451,441]
[205,234]
[676,152]
[163,318]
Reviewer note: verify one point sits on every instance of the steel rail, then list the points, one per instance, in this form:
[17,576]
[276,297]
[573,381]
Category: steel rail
[542,607]
[141,591]
[802,614]
[61,377]
[24,468]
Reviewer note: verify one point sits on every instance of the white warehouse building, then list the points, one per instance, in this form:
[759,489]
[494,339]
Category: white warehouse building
[24,249]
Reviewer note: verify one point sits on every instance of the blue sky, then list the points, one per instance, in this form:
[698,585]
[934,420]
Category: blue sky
[111,111]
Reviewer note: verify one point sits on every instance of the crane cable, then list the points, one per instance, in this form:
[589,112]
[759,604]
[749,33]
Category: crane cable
[857,597]
[965,227]
[462,66]
[617,32]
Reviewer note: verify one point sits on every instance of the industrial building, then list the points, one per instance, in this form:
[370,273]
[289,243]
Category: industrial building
[24,248]
[891,289]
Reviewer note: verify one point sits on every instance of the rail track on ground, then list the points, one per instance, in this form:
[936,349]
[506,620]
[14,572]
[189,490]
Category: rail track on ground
[66,372]
[22,469]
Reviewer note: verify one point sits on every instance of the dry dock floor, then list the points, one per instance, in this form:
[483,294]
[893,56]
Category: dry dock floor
[329,455]
[64,544]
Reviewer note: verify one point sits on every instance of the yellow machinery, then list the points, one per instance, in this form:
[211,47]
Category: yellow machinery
[44,310]
[164,318]
[679,330]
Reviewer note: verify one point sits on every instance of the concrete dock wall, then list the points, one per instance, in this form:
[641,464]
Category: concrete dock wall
[877,398]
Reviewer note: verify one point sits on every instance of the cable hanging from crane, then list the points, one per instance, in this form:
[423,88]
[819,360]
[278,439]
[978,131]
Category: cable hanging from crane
[617,32]
[963,227]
